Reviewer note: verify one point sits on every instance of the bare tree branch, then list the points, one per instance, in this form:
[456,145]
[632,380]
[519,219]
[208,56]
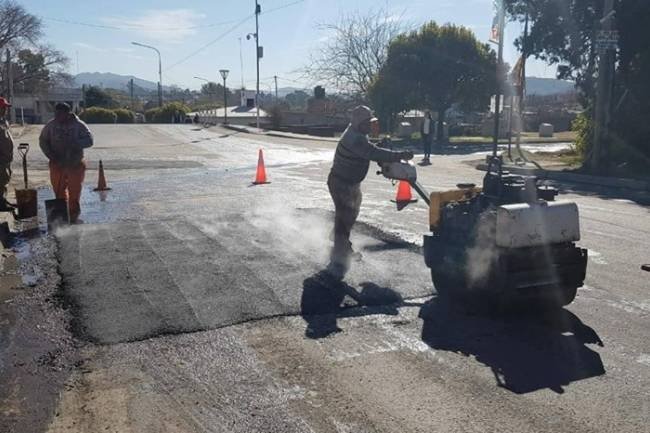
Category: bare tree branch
[17,25]
[352,56]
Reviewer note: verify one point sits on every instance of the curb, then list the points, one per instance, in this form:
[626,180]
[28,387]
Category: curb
[301,137]
[613,182]
[235,128]
[280,134]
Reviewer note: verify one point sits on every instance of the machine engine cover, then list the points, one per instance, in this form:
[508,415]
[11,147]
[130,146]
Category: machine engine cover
[403,170]
[534,224]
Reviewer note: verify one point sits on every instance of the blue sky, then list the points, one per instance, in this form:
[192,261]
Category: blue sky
[178,29]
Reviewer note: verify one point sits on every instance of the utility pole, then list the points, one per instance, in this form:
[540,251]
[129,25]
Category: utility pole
[275,77]
[131,84]
[258,10]
[606,65]
[241,64]
[10,87]
[497,99]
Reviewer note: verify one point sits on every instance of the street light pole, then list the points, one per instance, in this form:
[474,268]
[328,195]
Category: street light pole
[224,75]
[160,85]
[258,10]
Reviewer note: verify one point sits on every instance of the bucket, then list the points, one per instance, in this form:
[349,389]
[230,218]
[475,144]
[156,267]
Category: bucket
[27,203]
[57,212]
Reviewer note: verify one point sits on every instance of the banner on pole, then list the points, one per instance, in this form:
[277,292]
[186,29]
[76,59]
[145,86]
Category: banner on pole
[495,30]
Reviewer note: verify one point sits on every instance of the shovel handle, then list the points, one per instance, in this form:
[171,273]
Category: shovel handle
[23,148]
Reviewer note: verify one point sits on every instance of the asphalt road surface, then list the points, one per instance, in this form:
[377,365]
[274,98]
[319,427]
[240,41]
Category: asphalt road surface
[204,308]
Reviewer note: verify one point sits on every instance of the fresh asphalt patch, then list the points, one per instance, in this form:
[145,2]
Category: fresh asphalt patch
[138,279]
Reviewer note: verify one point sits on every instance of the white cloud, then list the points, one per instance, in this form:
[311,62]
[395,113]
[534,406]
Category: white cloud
[126,52]
[169,26]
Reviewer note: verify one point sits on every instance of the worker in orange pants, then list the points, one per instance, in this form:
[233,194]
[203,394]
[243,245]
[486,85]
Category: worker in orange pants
[66,183]
[63,141]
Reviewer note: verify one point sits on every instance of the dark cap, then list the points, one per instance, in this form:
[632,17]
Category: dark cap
[361,114]
[62,106]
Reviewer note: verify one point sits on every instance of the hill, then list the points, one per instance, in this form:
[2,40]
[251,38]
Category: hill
[548,86]
[109,80]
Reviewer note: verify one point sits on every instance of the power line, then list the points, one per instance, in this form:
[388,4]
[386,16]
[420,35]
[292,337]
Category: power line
[283,6]
[233,28]
[130,26]
[287,79]
[214,41]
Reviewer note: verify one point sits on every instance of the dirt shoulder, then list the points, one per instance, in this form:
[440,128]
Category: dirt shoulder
[37,350]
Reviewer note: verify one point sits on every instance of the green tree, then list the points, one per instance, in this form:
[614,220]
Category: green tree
[96,97]
[388,99]
[563,34]
[214,93]
[435,67]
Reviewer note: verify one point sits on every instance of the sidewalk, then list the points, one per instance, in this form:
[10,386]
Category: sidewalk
[564,176]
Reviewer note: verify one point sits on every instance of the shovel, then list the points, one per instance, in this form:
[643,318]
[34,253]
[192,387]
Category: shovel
[56,210]
[26,199]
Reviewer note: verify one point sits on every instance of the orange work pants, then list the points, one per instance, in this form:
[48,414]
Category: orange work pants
[66,183]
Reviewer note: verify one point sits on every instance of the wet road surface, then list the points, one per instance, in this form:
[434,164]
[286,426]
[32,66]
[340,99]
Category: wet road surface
[204,309]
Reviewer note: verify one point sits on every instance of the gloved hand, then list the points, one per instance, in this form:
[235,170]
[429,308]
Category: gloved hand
[407,155]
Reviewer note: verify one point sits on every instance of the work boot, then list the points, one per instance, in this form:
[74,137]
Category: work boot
[336,269]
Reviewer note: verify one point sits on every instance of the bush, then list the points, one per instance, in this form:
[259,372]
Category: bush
[165,113]
[98,115]
[583,125]
[276,116]
[151,114]
[124,115]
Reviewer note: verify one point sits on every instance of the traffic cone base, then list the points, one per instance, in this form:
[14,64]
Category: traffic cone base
[404,195]
[101,182]
[260,175]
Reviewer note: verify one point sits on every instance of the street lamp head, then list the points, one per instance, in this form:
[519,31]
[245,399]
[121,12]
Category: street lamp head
[224,73]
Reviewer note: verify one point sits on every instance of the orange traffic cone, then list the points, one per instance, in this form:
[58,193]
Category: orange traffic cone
[404,195]
[101,183]
[260,176]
